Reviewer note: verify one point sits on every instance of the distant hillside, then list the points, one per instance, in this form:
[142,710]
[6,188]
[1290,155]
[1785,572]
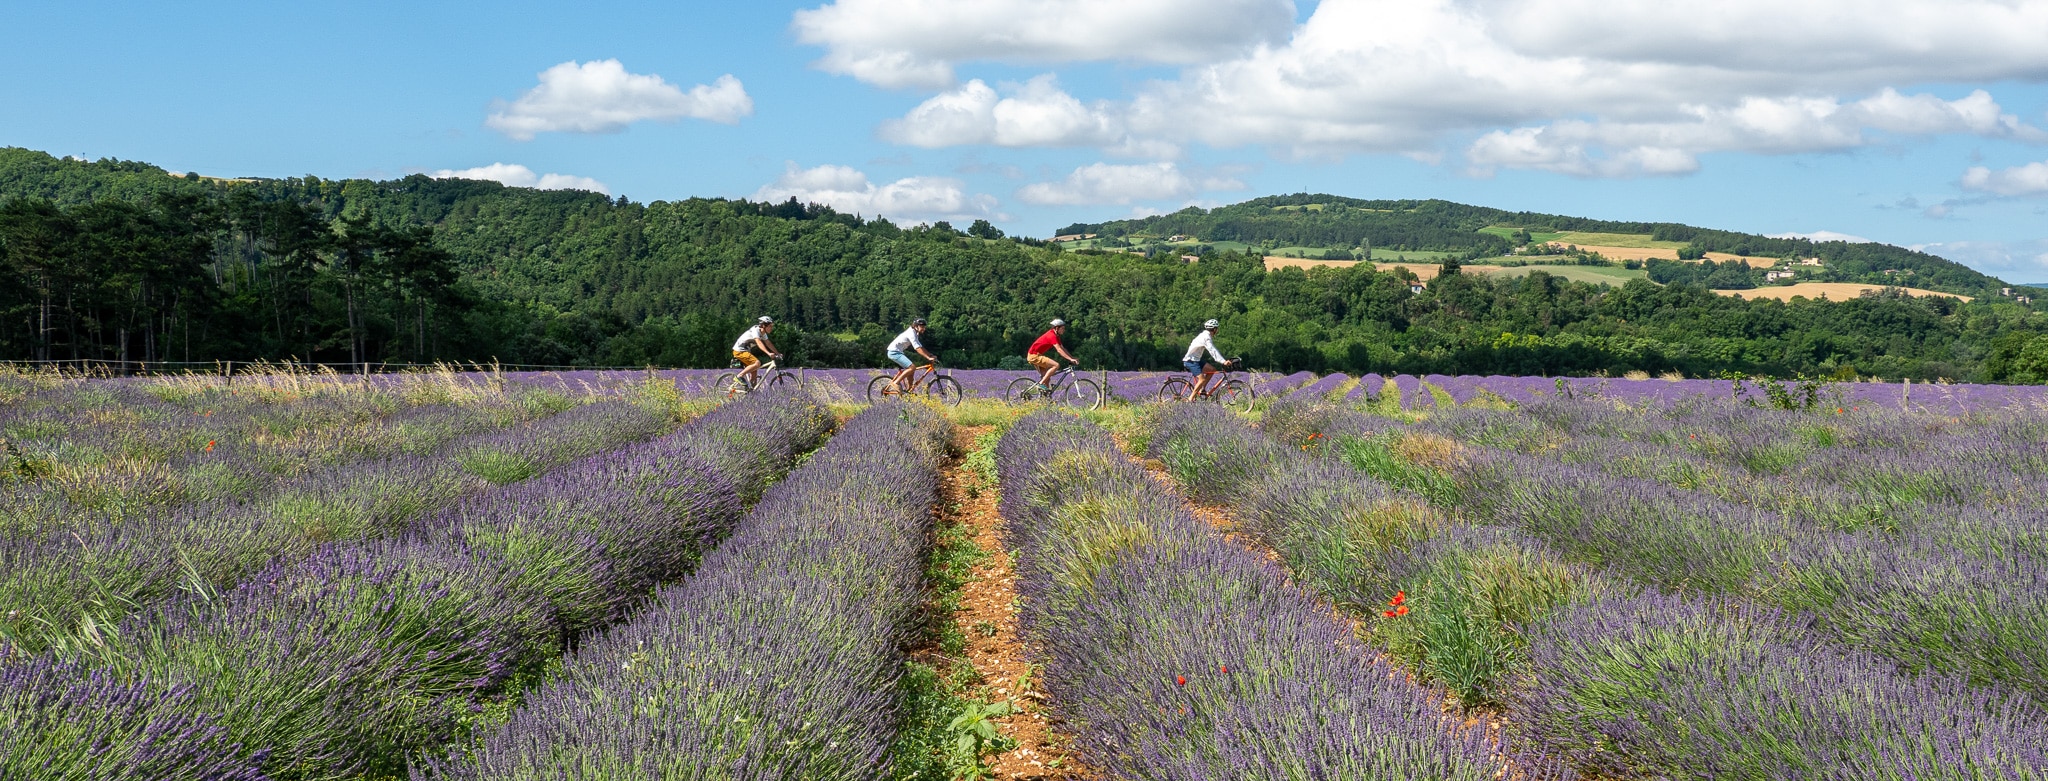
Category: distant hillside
[121,260]
[1335,224]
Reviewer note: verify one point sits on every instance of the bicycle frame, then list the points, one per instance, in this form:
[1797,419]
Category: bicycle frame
[919,375]
[1216,378]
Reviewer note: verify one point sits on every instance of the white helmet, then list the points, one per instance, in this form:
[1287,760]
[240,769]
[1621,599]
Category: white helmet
[1210,325]
[1056,322]
[766,320]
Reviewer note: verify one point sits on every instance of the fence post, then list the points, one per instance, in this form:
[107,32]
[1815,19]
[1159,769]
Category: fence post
[1906,398]
[1107,395]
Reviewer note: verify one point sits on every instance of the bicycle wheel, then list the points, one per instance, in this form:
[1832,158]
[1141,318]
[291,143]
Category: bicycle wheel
[881,387]
[1235,395]
[945,389]
[1082,394]
[780,379]
[723,384]
[1021,390]
[1174,389]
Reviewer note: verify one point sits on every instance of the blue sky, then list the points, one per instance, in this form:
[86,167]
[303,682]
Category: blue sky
[1913,123]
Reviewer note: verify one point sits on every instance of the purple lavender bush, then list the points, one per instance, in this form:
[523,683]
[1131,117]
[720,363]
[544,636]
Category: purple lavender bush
[347,661]
[61,722]
[778,658]
[1176,655]
[1926,603]
[1446,601]
[1667,687]
[357,658]
[1672,538]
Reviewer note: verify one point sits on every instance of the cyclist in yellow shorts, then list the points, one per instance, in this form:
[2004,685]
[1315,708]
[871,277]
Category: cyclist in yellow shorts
[755,337]
[1048,342]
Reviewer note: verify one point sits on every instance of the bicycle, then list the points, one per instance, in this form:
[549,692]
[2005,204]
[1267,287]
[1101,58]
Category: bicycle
[1230,392]
[1063,387]
[768,375]
[933,384]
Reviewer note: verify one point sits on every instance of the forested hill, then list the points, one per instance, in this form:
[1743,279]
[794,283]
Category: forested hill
[115,259]
[1333,222]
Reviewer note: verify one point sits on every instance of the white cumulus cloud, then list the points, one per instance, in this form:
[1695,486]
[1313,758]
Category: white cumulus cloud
[1581,87]
[911,199]
[602,97]
[916,43]
[1764,125]
[1824,236]
[2029,179]
[513,175]
[1035,113]
[1104,183]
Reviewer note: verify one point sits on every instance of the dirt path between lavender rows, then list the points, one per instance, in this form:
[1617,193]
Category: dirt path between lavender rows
[988,617]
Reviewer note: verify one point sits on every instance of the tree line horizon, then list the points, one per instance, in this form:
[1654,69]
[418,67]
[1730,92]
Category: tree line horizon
[117,260]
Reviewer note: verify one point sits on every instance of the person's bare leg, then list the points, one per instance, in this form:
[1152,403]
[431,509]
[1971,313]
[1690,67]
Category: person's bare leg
[901,386]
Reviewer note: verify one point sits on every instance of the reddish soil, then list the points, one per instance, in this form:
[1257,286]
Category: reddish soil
[989,602]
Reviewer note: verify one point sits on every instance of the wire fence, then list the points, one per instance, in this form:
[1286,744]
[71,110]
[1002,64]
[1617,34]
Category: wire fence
[108,367]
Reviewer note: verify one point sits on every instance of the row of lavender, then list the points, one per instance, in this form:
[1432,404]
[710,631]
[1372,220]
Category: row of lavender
[113,450]
[1407,391]
[1177,655]
[1918,537]
[352,660]
[64,581]
[1378,552]
[778,659]
[1621,679]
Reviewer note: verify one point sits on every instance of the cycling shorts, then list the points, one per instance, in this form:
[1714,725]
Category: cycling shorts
[900,359]
[1041,362]
[746,359]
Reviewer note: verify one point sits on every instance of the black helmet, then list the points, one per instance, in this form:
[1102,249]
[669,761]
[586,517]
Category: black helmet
[919,321]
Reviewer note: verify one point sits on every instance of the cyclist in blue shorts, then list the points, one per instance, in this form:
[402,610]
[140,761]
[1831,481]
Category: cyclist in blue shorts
[912,338]
[1192,361]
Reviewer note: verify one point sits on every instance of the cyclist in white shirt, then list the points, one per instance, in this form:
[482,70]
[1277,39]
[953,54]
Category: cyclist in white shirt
[755,337]
[912,338]
[1192,361]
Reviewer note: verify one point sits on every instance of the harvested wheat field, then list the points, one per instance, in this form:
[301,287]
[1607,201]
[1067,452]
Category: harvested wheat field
[1837,291]
[1663,253]
[1423,271]
[1277,262]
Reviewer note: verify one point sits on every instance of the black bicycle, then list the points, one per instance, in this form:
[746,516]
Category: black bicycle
[1062,388]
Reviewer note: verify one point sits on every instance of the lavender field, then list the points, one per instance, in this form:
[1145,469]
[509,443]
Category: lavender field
[632,575]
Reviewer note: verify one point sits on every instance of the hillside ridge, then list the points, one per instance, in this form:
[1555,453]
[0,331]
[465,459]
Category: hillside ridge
[121,260]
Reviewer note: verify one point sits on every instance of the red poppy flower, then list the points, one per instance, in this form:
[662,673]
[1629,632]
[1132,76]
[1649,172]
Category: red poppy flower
[209,445]
[1399,597]
[1180,680]
[1226,669]
[1387,613]
[1401,611]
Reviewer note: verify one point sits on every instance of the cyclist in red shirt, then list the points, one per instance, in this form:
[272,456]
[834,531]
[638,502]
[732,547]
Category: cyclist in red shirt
[1048,342]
